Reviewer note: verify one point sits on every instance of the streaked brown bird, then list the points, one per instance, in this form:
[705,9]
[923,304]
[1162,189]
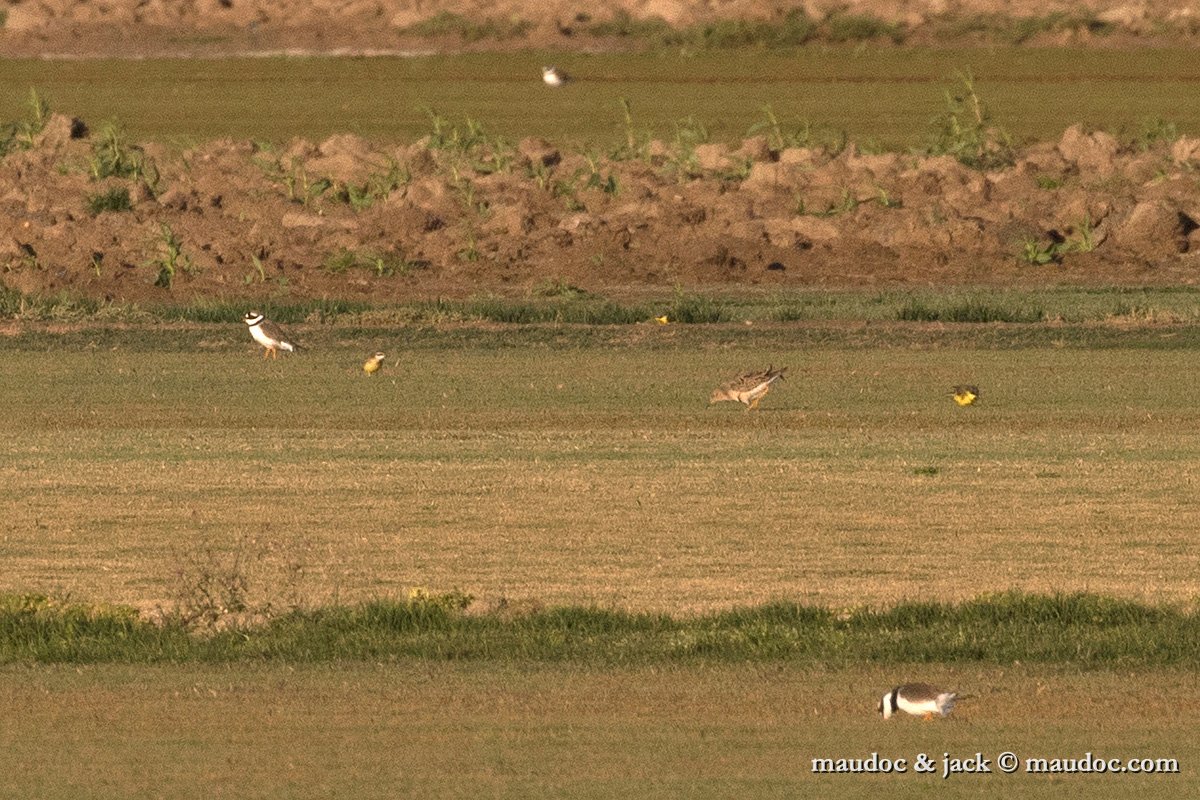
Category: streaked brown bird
[749,387]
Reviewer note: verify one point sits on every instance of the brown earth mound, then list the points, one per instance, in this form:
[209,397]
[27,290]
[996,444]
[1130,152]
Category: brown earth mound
[343,219]
[144,27]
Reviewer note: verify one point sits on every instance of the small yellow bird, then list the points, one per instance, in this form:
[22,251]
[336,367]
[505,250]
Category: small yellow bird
[373,364]
[663,320]
[965,395]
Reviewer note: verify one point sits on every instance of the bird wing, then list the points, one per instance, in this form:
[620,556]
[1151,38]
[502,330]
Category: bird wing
[277,333]
[918,692]
[749,381]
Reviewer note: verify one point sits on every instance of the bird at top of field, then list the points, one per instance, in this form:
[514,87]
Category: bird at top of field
[268,334]
[918,699]
[965,394]
[553,76]
[749,387]
[663,320]
[374,363]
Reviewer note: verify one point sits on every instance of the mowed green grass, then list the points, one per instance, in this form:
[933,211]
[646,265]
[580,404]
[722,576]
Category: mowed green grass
[468,730]
[884,96]
[596,474]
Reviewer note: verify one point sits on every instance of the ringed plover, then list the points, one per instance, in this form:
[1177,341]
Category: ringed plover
[268,334]
[553,76]
[918,699]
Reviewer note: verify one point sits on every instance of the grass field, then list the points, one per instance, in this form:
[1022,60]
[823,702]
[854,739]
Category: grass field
[880,96]
[450,730]
[575,465]
[513,464]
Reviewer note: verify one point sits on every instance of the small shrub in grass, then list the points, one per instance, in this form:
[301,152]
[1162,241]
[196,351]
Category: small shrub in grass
[965,130]
[979,311]
[843,27]
[624,25]
[224,312]
[170,258]
[114,156]
[696,309]
[383,265]
[1152,131]
[557,288]
[446,23]
[21,133]
[11,302]
[916,310]
[115,199]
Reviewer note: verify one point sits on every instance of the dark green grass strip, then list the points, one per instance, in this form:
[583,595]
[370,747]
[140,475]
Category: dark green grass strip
[1080,629]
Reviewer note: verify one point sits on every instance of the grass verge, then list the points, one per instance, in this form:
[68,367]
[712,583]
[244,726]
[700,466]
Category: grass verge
[1079,629]
[1124,306]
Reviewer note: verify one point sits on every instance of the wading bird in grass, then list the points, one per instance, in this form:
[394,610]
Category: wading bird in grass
[553,76]
[268,334]
[373,364]
[965,395]
[748,388]
[918,699]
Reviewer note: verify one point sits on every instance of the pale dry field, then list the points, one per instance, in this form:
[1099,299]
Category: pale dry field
[470,730]
[598,475]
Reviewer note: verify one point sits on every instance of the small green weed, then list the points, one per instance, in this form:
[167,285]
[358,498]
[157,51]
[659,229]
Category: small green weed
[798,133]
[624,25]
[1151,132]
[377,187]
[21,133]
[682,162]
[170,259]
[1038,253]
[637,142]
[470,250]
[966,132]
[696,309]
[446,23]
[259,271]
[470,142]
[557,288]
[840,27]
[301,189]
[382,265]
[596,179]
[114,199]
[886,200]
[114,156]
[970,310]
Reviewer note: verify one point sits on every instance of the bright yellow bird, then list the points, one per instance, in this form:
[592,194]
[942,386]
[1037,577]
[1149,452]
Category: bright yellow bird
[373,364]
[663,320]
[966,395]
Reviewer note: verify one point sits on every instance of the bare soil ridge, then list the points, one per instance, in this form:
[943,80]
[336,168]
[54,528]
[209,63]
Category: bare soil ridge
[453,217]
[126,28]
